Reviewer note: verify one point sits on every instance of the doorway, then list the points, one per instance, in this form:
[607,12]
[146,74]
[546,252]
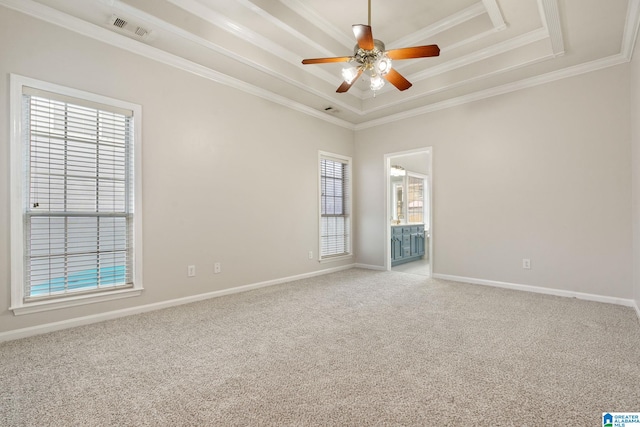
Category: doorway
[408,207]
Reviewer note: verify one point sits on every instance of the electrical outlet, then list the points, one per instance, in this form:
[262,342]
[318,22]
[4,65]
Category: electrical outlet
[217,268]
[191,271]
[526,264]
[310,254]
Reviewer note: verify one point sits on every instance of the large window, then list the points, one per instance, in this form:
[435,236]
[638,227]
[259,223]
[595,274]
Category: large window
[335,206]
[74,218]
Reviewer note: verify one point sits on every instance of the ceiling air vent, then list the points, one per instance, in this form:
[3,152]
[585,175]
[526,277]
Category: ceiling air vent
[129,28]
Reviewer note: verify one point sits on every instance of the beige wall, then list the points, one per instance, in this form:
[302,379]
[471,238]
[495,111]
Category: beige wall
[542,173]
[635,158]
[227,176]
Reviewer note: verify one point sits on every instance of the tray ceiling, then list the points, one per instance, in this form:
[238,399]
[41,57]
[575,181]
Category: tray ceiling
[488,47]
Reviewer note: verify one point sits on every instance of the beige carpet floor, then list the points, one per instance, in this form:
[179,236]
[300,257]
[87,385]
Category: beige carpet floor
[353,348]
[420,266]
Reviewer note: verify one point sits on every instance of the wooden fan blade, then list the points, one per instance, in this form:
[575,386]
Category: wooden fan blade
[326,60]
[414,52]
[398,80]
[364,36]
[345,86]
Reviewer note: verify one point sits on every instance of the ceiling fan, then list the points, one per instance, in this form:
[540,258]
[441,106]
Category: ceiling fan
[371,58]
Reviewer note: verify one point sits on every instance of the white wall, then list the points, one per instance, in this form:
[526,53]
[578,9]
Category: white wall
[635,159]
[542,173]
[227,177]
[415,162]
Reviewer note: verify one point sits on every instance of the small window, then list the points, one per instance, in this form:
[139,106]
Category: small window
[416,205]
[335,206]
[75,160]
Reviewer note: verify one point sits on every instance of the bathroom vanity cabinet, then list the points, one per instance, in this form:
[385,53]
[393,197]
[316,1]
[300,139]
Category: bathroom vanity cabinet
[407,243]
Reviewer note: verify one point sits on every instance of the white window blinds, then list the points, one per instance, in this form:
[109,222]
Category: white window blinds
[335,224]
[79,210]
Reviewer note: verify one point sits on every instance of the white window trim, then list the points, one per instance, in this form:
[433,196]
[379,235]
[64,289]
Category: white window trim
[424,195]
[17,200]
[326,154]
[335,258]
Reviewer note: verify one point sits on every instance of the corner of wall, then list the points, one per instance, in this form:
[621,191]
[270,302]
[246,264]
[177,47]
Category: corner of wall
[635,172]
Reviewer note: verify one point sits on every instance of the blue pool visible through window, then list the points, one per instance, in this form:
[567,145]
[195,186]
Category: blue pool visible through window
[81,281]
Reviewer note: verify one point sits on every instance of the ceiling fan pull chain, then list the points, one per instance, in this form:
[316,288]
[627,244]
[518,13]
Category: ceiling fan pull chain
[369,13]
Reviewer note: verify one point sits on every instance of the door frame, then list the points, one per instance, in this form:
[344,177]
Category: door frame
[387,205]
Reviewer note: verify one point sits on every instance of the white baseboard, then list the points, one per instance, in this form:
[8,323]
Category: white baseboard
[100,317]
[540,290]
[370,267]
[635,305]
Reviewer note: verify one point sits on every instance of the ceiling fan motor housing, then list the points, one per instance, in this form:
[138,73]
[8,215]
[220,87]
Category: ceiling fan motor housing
[369,57]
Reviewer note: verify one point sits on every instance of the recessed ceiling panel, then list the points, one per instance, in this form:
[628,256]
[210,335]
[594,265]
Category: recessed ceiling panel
[258,45]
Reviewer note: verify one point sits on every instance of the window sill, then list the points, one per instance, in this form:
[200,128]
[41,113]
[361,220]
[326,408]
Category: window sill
[335,258]
[72,301]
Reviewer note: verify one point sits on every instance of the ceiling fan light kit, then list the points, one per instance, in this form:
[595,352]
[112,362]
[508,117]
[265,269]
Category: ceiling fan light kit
[375,63]
[372,59]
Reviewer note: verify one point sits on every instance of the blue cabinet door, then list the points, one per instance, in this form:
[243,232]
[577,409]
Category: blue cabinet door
[419,241]
[396,248]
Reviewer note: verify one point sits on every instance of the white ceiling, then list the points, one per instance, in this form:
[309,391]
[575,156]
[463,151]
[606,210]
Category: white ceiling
[488,47]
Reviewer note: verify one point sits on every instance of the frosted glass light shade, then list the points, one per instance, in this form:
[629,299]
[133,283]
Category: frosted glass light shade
[377,82]
[383,65]
[349,74]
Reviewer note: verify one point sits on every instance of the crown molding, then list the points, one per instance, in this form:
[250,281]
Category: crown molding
[428,32]
[469,40]
[550,16]
[494,14]
[631,29]
[499,90]
[552,29]
[314,18]
[457,18]
[52,16]
[243,33]
[469,13]
[157,23]
[462,83]
[479,55]
[253,7]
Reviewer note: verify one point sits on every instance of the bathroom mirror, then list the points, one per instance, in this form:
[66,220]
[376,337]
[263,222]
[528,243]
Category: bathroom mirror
[397,205]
